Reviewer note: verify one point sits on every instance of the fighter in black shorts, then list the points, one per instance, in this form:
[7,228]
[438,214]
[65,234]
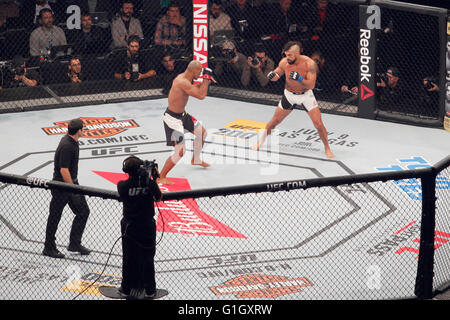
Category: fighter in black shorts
[177,121]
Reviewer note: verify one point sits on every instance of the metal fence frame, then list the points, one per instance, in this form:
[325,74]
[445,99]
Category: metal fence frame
[424,288]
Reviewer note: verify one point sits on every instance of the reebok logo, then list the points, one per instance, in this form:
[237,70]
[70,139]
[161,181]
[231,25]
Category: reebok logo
[365,92]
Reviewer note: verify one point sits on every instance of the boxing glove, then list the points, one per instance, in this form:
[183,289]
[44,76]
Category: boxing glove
[294,75]
[271,75]
[208,74]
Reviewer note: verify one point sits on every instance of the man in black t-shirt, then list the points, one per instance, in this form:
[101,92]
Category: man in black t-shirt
[66,170]
[132,66]
[138,229]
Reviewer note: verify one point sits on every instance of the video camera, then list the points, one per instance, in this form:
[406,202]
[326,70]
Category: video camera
[149,168]
[144,168]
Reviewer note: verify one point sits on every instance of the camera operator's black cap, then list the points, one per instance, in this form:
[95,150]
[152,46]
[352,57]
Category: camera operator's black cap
[131,165]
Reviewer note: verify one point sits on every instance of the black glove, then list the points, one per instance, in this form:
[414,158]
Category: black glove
[271,75]
[294,75]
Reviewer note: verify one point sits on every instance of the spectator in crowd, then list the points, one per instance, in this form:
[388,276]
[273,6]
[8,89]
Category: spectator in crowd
[20,75]
[233,67]
[132,66]
[74,73]
[171,28]
[125,25]
[89,39]
[218,20]
[43,38]
[283,18]
[391,91]
[244,20]
[168,70]
[323,17]
[260,65]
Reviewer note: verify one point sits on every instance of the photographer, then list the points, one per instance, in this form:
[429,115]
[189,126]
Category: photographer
[138,227]
[232,66]
[74,75]
[18,75]
[260,65]
[390,89]
[132,66]
[429,96]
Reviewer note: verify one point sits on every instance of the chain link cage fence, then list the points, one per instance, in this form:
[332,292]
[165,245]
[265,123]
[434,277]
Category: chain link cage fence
[442,223]
[327,238]
[245,43]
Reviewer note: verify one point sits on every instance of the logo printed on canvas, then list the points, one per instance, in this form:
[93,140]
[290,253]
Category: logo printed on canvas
[261,286]
[94,127]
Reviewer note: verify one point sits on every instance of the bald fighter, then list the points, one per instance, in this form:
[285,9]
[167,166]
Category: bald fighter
[301,74]
[177,120]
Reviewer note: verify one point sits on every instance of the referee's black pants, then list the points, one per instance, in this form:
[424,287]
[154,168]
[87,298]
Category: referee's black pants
[79,207]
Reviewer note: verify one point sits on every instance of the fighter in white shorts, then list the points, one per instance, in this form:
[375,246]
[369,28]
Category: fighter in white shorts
[300,72]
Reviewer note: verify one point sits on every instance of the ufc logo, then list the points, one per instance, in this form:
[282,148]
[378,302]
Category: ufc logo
[132,192]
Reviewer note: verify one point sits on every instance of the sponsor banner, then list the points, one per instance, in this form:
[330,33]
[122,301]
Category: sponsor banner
[185,217]
[181,216]
[367,58]
[413,187]
[261,286]
[403,241]
[94,127]
[200,32]
[89,283]
[240,129]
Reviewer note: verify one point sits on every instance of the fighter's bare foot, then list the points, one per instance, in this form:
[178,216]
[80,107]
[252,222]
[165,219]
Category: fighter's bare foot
[255,147]
[165,181]
[329,154]
[200,163]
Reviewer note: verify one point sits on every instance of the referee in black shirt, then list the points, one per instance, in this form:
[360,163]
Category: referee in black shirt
[66,170]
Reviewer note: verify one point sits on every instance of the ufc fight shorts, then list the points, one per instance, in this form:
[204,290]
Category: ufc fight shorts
[290,99]
[176,124]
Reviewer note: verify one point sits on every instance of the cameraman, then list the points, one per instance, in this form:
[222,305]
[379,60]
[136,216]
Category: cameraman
[260,65]
[20,76]
[232,66]
[138,227]
[132,66]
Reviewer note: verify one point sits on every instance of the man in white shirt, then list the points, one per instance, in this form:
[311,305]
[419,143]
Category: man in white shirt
[43,38]
[125,25]
[218,20]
